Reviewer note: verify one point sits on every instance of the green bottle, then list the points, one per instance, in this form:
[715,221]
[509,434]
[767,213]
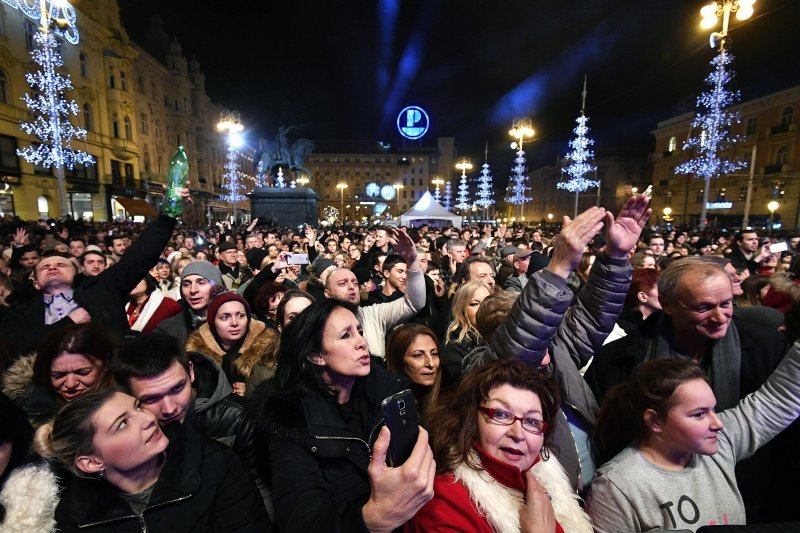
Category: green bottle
[176,180]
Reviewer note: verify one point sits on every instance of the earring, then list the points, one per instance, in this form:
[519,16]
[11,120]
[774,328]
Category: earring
[102,472]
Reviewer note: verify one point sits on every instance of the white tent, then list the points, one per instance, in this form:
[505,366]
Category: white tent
[428,211]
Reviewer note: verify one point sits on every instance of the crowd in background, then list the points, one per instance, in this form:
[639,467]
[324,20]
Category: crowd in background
[597,375]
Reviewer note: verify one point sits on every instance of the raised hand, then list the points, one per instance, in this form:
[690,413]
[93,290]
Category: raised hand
[623,233]
[20,237]
[573,238]
[403,245]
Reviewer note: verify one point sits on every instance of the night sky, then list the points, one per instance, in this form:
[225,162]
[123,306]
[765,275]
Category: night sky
[343,69]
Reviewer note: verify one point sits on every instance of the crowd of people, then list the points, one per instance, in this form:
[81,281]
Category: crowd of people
[600,375]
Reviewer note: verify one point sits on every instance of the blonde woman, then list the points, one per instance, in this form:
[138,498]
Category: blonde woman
[461,335]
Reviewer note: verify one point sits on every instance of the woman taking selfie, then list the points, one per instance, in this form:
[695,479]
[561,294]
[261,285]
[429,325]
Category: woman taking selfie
[129,476]
[413,351]
[322,418]
[495,471]
[674,464]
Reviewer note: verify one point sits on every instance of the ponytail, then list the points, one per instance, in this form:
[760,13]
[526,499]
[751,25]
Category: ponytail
[43,441]
[651,387]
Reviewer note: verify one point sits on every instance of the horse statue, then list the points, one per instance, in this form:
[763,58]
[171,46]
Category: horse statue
[301,150]
[291,158]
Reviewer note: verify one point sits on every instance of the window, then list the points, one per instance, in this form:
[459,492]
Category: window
[699,198]
[30,31]
[147,161]
[84,65]
[81,172]
[153,90]
[673,144]
[143,124]
[112,81]
[787,115]
[128,128]
[721,194]
[3,87]
[158,130]
[123,81]
[87,117]
[43,206]
[116,172]
[9,161]
[752,126]
[782,155]
[129,173]
[115,128]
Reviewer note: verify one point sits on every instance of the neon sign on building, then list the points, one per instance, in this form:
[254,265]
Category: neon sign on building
[413,122]
[59,10]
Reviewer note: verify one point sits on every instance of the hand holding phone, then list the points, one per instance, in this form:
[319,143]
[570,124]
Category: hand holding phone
[298,259]
[778,247]
[400,413]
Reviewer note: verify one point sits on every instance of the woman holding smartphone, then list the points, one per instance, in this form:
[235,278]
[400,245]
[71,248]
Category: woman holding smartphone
[322,418]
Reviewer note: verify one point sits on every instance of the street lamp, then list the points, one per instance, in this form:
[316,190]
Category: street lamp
[723,8]
[341,186]
[230,123]
[667,211]
[521,127]
[772,206]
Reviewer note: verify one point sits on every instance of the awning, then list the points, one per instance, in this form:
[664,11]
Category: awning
[136,206]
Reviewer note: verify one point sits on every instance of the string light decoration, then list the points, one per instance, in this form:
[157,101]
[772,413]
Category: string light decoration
[485,186]
[712,125]
[463,187]
[448,196]
[518,184]
[279,182]
[261,175]
[51,110]
[232,185]
[579,158]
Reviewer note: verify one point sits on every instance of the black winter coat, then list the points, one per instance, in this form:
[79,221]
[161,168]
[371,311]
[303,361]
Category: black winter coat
[103,296]
[319,464]
[203,487]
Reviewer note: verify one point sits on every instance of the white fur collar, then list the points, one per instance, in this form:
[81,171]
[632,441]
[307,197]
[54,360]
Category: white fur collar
[501,505]
[30,496]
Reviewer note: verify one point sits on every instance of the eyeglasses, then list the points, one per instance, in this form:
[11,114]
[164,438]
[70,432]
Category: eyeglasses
[504,418]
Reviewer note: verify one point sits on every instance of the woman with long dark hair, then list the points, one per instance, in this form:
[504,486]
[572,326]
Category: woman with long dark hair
[413,351]
[322,418]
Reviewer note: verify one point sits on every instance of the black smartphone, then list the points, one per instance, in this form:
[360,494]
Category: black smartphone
[400,413]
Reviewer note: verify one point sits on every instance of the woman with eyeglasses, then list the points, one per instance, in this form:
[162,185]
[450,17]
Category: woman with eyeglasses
[495,472]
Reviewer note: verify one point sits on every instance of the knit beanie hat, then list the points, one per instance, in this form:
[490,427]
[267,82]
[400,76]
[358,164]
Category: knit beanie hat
[218,301]
[204,269]
[321,264]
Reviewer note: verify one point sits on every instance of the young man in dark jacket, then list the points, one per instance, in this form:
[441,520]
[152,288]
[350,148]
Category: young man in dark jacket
[178,387]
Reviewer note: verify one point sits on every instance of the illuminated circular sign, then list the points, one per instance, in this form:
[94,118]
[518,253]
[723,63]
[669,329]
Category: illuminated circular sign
[413,122]
[388,192]
[373,190]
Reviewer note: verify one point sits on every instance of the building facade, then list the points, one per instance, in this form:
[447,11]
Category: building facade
[137,107]
[380,178]
[771,146]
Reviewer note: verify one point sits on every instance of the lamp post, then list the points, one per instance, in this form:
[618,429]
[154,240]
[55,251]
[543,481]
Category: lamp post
[521,128]
[397,187]
[711,14]
[667,211]
[772,206]
[550,221]
[230,123]
[341,186]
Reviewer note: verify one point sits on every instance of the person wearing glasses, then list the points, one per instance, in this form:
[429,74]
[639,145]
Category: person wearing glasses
[495,470]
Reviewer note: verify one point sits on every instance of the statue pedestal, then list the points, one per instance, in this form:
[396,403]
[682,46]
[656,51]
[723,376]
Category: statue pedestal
[289,207]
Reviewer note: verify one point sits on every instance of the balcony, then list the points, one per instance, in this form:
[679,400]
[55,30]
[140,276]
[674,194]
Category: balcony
[783,128]
[668,153]
[773,169]
[124,149]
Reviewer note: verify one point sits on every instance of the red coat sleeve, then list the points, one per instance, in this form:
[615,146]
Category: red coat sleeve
[450,510]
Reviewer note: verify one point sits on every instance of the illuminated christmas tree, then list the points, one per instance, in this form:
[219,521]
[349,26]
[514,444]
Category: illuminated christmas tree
[261,175]
[52,111]
[463,187]
[711,128]
[485,186]
[232,184]
[518,184]
[579,159]
[448,196]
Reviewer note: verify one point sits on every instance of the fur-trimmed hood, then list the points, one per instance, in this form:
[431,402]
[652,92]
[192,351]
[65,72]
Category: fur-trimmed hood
[29,498]
[18,379]
[256,347]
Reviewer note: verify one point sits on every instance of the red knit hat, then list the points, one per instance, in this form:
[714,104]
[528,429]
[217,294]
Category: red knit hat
[218,301]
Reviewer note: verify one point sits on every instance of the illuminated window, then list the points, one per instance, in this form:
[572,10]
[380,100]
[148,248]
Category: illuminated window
[782,155]
[673,144]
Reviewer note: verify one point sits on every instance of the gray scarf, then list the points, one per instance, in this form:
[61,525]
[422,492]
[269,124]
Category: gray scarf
[725,361]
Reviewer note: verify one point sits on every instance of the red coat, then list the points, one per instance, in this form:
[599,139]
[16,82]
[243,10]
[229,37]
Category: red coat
[451,509]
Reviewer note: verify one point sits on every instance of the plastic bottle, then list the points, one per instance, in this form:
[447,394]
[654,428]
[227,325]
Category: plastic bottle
[176,180]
